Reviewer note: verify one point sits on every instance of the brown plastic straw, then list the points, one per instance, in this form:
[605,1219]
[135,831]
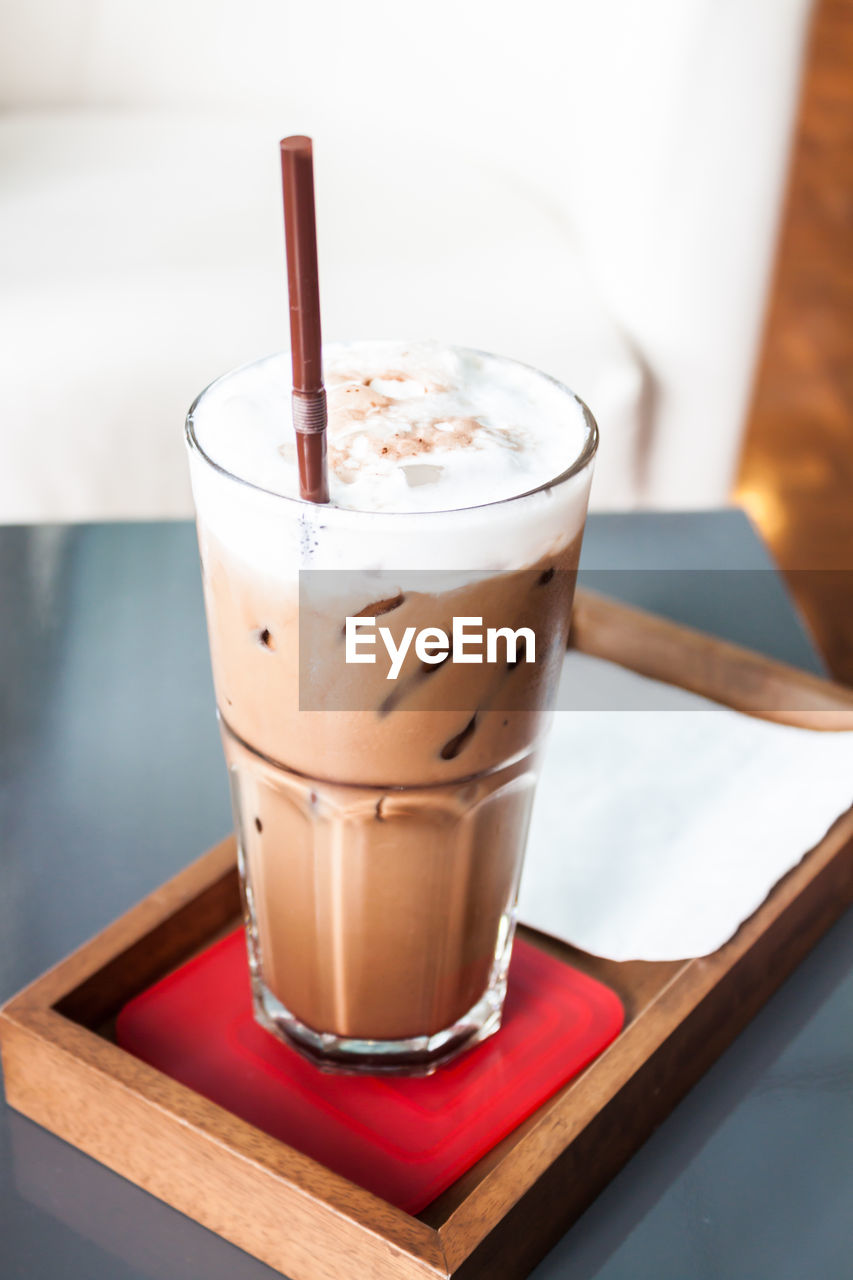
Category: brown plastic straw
[309,397]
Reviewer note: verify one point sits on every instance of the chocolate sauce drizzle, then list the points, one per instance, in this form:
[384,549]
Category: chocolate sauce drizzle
[423,672]
[377,609]
[451,749]
[381,606]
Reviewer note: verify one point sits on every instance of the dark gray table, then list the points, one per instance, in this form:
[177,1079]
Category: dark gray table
[111,780]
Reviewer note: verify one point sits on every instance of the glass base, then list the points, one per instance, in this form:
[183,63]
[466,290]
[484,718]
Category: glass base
[379,922]
[414,1056]
[417,1056]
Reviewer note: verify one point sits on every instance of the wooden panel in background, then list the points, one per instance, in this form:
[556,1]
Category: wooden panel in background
[796,475]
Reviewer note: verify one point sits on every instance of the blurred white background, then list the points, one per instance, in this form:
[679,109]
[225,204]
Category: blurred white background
[592,187]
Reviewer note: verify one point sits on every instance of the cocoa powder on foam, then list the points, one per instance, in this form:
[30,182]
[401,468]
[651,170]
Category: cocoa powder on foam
[460,429]
[352,401]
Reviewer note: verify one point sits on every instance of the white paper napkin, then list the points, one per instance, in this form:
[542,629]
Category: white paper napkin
[655,833]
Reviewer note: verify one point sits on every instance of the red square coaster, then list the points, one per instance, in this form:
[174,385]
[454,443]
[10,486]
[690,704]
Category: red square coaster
[404,1139]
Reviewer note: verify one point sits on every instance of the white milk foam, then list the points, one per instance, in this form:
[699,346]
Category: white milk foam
[421,437]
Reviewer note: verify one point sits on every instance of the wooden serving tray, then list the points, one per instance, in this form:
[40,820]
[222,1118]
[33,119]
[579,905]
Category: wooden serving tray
[64,1070]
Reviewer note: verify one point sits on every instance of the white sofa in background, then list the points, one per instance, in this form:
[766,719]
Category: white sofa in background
[593,188]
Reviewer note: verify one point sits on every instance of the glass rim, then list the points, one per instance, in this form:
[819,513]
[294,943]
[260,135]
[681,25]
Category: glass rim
[584,458]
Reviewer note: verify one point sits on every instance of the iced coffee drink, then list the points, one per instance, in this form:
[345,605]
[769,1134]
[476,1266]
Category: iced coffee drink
[382,805]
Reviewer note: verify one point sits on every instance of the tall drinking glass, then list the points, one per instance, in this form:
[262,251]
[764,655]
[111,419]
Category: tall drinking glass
[381,821]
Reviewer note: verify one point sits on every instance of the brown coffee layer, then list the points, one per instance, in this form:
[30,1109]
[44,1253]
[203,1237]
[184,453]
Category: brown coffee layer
[381,732]
[380,914]
[383,842]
